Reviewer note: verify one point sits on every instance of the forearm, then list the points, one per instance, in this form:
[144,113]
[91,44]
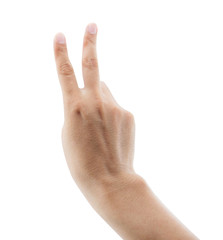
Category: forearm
[129,206]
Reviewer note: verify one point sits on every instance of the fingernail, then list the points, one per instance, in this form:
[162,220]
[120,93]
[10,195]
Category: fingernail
[60,38]
[92,28]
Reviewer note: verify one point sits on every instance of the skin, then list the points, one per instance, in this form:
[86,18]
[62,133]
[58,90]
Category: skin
[98,140]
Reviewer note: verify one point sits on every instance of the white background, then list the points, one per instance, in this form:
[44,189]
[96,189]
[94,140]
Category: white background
[162,60]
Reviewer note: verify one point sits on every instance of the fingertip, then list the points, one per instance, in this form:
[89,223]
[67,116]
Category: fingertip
[60,38]
[60,46]
[92,28]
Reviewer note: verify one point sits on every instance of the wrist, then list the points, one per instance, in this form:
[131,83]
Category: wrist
[120,183]
[99,186]
[122,204]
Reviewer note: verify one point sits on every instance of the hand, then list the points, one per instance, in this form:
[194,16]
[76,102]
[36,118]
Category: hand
[98,142]
[98,134]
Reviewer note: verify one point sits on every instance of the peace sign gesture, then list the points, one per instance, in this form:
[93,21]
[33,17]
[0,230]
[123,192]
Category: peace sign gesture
[98,134]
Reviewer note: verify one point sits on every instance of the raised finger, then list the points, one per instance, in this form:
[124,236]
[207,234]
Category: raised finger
[64,67]
[89,57]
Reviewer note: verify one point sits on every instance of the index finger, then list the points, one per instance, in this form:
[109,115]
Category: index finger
[64,67]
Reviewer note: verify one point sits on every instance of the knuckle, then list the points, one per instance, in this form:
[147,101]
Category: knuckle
[116,110]
[99,107]
[66,68]
[74,108]
[58,50]
[88,40]
[90,62]
[129,115]
[77,108]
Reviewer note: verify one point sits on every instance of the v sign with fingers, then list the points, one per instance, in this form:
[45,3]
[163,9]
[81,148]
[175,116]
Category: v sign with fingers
[98,135]
[98,141]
